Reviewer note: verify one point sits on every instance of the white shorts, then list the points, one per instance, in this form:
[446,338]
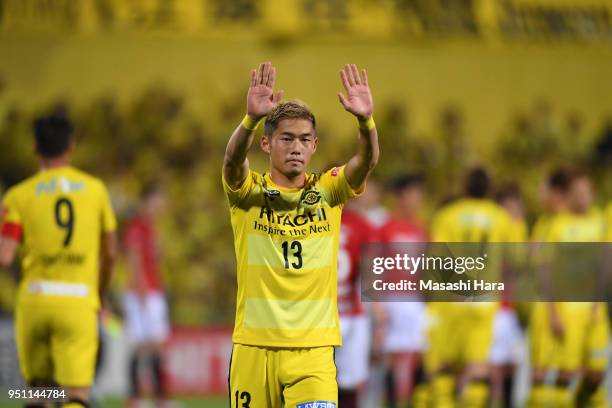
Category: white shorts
[406,324]
[353,358]
[507,337]
[146,319]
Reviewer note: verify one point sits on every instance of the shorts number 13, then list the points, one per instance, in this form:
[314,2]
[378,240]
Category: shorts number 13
[245,398]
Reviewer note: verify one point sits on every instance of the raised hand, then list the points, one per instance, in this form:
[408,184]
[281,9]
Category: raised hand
[358,99]
[261,98]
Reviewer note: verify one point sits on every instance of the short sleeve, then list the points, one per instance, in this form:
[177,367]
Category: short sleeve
[11,217]
[109,222]
[337,187]
[235,196]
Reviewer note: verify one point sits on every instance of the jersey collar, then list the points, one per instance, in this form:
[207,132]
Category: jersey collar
[271,185]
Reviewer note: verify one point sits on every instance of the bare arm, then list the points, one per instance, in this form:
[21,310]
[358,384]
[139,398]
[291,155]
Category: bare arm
[359,102]
[261,99]
[8,250]
[108,255]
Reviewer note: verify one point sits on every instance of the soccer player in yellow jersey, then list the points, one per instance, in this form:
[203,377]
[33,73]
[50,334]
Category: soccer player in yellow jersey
[286,226]
[63,220]
[461,340]
[576,334]
[552,196]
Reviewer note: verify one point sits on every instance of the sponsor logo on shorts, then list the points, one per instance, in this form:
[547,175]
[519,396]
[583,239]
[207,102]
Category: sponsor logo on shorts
[316,404]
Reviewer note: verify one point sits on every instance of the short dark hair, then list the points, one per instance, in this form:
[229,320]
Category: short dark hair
[560,179]
[288,110]
[53,135]
[406,181]
[477,183]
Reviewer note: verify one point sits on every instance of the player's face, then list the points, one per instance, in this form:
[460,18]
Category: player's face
[291,146]
[157,203]
[411,199]
[550,198]
[581,195]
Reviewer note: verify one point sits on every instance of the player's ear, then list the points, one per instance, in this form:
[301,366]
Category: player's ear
[316,143]
[264,143]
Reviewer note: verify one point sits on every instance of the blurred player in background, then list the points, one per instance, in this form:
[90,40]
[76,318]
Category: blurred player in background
[507,333]
[353,358]
[63,219]
[286,227]
[553,198]
[146,311]
[405,340]
[552,195]
[460,342]
[369,204]
[571,337]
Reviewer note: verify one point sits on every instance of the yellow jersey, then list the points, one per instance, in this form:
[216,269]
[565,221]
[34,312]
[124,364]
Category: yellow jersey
[568,227]
[608,237]
[541,226]
[519,230]
[473,220]
[58,215]
[286,244]
[479,221]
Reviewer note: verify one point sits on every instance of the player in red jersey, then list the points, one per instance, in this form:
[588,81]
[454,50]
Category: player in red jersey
[406,318]
[145,304]
[352,359]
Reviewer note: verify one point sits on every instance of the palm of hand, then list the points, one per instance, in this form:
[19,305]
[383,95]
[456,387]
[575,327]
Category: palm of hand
[359,101]
[260,100]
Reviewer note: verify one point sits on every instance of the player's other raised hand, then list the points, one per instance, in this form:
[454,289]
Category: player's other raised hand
[358,99]
[261,98]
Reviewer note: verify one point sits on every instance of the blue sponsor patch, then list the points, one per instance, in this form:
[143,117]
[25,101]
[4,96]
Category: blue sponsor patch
[316,404]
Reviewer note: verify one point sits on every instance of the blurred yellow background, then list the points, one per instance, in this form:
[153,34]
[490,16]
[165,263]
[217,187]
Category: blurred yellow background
[156,87]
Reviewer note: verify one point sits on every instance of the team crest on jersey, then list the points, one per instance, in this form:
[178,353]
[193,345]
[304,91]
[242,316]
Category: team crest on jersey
[317,404]
[311,197]
[271,194]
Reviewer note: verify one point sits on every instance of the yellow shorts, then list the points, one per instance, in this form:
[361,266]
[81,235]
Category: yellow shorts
[598,339]
[57,342]
[279,377]
[462,334]
[568,353]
